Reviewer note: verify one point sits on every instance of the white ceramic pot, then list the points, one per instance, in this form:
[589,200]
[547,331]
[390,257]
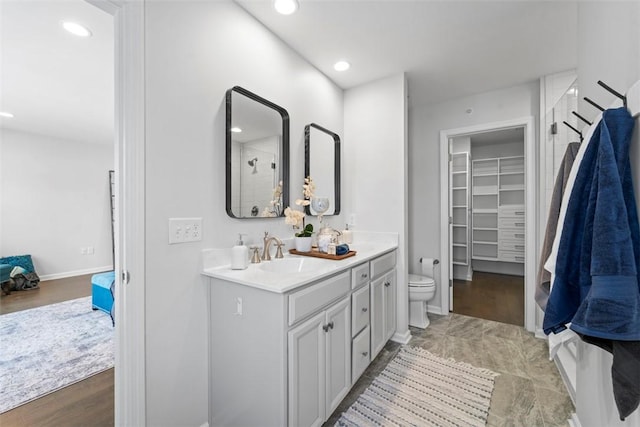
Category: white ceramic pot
[303,244]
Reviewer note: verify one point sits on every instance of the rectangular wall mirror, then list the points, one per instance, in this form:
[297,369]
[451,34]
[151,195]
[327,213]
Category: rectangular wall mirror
[257,155]
[322,163]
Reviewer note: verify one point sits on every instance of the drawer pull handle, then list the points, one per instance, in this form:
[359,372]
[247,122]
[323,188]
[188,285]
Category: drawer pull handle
[365,353]
[365,309]
[387,284]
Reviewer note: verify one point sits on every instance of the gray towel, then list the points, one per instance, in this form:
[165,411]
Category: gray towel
[544,277]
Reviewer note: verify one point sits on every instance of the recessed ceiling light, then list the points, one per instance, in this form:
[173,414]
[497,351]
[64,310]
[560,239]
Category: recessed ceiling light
[76,29]
[285,7]
[236,130]
[341,66]
[5,114]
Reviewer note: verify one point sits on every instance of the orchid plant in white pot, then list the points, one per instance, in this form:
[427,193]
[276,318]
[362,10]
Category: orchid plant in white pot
[296,217]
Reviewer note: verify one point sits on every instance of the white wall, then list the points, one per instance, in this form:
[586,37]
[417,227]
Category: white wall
[608,50]
[375,168]
[195,51]
[55,201]
[425,124]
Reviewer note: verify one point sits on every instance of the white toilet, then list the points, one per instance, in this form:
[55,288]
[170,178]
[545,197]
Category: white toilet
[421,290]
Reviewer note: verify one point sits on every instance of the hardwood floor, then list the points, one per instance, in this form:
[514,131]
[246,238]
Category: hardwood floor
[87,403]
[50,292]
[491,296]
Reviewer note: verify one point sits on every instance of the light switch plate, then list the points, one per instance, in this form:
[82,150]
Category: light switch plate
[183,230]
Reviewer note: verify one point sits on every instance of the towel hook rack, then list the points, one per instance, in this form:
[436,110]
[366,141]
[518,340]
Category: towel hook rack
[582,118]
[616,93]
[573,129]
[593,103]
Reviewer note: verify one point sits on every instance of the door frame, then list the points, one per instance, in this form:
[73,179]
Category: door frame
[129,136]
[531,191]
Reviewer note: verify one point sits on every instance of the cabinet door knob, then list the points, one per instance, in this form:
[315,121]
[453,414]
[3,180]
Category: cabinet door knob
[330,325]
[364,275]
[387,284]
[365,353]
[364,309]
[325,328]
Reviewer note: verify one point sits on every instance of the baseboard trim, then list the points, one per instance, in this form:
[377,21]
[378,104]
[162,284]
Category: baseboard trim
[540,334]
[435,310]
[574,421]
[402,338]
[75,273]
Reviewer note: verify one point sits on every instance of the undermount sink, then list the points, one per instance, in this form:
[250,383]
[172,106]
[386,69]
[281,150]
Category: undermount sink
[293,265]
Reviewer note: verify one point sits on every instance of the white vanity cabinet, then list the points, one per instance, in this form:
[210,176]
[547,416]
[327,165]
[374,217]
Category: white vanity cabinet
[383,301]
[360,320]
[319,365]
[288,357]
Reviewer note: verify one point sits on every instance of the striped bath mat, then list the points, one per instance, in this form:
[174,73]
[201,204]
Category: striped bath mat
[418,388]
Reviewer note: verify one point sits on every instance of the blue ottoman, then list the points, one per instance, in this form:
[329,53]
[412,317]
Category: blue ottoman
[101,291]
[5,275]
[5,271]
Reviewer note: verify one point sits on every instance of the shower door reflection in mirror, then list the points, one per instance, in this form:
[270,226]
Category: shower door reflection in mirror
[257,139]
[322,163]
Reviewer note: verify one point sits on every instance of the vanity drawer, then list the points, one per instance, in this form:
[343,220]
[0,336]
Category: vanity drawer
[515,235]
[382,264]
[516,211]
[313,298]
[510,256]
[359,310]
[360,355]
[359,275]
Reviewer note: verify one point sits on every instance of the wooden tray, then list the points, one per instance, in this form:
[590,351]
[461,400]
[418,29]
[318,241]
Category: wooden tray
[317,254]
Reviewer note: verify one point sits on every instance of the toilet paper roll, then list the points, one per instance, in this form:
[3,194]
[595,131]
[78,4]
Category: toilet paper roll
[427,267]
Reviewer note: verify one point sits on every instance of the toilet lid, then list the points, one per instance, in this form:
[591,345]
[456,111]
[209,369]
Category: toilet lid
[417,280]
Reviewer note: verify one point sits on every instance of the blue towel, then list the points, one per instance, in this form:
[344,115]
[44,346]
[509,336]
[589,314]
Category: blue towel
[597,285]
[342,249]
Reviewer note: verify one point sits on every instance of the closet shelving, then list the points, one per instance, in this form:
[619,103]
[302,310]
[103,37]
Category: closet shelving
[460,207]
[498,209]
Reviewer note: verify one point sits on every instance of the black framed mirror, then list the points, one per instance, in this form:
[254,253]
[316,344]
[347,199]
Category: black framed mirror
[257,156]
[322,163]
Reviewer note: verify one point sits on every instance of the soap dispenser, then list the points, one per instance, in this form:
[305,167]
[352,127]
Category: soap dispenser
[239,255]
[347,236]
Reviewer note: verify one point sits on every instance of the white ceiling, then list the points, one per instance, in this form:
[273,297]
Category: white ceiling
[60,85]
[449,49]
[54,83]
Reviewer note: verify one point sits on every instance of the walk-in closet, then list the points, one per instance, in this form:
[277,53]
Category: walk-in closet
[488,224]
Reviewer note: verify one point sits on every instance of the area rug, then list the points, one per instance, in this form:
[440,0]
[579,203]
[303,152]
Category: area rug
[418,388]
[46,348]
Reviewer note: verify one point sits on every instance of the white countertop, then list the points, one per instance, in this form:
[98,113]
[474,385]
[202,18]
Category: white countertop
[259,276]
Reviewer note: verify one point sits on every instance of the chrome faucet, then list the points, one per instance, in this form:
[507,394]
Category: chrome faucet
[266,255]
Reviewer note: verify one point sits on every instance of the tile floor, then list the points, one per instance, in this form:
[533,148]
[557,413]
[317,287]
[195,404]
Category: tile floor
[528,392]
